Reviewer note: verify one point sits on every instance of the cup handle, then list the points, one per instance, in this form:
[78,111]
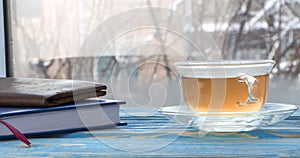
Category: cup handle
[250,81]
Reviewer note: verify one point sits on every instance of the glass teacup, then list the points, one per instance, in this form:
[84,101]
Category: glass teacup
[225,85]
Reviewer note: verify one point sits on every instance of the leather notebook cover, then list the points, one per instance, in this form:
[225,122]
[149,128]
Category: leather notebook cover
[35,92]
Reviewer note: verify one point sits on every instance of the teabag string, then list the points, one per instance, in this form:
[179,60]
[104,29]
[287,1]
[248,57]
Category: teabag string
[16,133]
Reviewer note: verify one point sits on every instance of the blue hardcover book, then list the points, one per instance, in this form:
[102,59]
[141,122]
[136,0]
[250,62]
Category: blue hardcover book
[86,114]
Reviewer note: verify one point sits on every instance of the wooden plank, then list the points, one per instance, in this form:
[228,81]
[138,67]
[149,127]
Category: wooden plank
[181,147]
[157,136]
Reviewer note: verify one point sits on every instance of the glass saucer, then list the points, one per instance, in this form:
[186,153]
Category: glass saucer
[270,114]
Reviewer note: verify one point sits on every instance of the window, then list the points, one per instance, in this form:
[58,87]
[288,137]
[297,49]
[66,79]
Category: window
[57,39]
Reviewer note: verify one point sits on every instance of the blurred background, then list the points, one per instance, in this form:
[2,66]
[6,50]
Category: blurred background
[138,66]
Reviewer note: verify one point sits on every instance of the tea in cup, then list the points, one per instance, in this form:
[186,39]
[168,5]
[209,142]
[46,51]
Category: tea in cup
[225,86]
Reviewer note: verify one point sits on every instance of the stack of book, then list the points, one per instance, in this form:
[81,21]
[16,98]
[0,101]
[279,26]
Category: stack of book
[45,106]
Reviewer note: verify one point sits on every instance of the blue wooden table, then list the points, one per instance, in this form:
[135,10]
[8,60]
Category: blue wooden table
[149,133]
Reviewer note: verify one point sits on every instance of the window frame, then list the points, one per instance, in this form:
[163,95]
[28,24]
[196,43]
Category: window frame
[5,39]
[3,62]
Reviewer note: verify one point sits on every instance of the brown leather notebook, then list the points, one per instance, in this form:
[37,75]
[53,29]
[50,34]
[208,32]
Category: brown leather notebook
[35,92]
